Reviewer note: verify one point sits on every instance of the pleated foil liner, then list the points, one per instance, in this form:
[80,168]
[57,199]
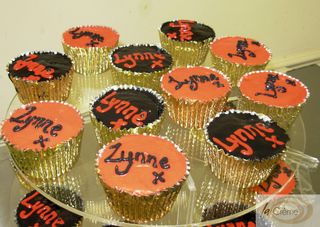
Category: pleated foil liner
[284,116]
[240,172]
[148,80]
[185,53]
[193,114]
[88,61]
[191,141]
[33,91]
[233,70]
[105,134]
[141,209]
[49,163]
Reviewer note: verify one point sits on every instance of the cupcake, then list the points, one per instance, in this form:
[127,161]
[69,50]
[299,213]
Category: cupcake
[186,40]
[194,94]
[126,109]
[39,76]
[142,176]
[281,180]
[275,94]
[244,147]
[89,46]
[36,210]
[140,65]
[236,56]
[44,138]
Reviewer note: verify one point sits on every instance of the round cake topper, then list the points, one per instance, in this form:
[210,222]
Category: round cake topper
[125,107]
[141,164]
[40,66]
[241,50]
[141,58]
[36,210]
[91,36]
[273,89]
[246,135]
[195,83]
[187,30]
[282,178]
[42,125]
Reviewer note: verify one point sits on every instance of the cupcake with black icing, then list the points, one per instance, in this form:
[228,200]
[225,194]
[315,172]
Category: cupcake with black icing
[126,109]
[36,210]
[186,40]
[140,65]
[244,147]
[39,76]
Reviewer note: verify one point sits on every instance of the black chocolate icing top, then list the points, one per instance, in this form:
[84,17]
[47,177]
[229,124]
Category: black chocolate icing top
[184,30]
[245,135]
[223,209]
[127,108]
[35,208]
[141,58]
[40,66]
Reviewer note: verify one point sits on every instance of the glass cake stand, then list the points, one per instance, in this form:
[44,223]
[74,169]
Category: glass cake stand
[201,189]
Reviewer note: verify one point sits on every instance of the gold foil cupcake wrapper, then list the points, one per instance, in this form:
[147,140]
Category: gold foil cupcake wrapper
[193,114]
[49,163]
[185,53]
[191,141]
[234,70]
[30,91]
[284,117]
[139,208]
[88,61]
[240,173]
[106,134]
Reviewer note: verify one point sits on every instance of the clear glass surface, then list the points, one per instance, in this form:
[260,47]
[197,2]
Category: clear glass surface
[200,191]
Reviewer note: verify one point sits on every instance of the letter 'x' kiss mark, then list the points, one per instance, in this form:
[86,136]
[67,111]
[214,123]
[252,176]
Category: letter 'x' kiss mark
[41,141]
[157,63]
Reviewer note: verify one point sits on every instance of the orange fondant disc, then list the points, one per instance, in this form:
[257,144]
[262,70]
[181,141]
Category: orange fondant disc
[91,36]
[38,126]
[240,50]
[195,83]
[156,164]
[281,175]
[273,88]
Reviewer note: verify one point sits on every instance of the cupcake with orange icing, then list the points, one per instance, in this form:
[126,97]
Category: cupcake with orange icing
[39,76]
[142,176]
[186,40]
[236,56]
[275,94]
[44,138]
[194,94]
[89,46]
[126,109]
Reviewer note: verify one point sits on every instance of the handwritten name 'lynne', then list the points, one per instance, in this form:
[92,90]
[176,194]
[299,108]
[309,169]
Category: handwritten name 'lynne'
[194,80]
[130,60]
[239,138]
[43,211]
[131,157]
